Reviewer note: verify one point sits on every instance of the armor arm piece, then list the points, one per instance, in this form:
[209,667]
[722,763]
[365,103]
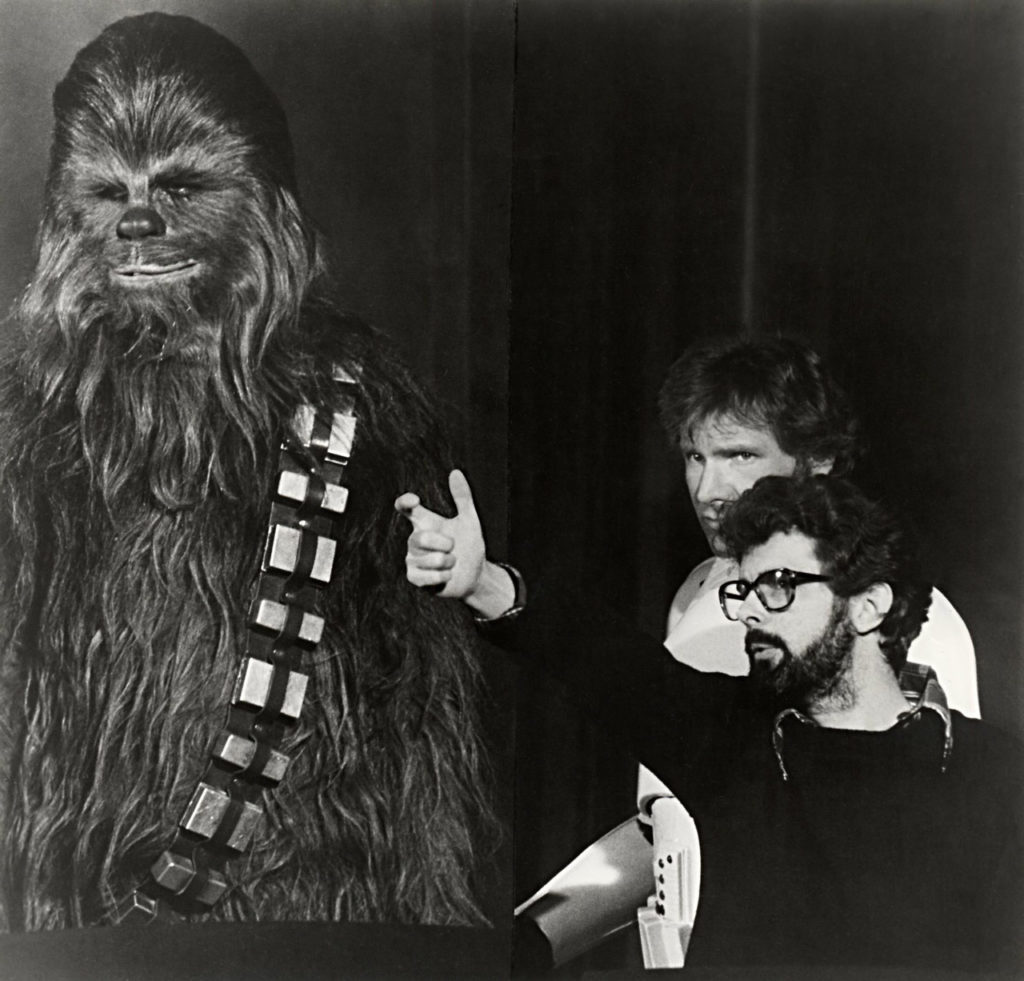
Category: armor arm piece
[596,895]
[667,921]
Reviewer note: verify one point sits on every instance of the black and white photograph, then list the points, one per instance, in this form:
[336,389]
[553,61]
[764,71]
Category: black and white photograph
[511,489]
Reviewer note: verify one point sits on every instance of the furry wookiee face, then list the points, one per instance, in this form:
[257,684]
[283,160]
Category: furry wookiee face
[158,222]
[156,233]
[171,209]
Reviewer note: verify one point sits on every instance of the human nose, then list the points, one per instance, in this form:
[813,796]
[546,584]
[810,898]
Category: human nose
[712,484]
[751,610]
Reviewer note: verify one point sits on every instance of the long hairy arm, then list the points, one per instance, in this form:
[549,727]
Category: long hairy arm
[407,667]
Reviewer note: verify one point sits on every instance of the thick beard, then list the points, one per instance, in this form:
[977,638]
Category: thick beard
[820,674]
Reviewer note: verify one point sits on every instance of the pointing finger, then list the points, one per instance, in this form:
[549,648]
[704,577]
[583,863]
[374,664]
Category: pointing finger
[406,502]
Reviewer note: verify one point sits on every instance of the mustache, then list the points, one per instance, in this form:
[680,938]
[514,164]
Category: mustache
[713,513]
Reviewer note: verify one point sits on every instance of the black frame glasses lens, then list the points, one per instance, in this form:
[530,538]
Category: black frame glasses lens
[775,588]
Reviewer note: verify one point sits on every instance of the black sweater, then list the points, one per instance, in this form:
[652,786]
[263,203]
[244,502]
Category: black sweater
[869,854]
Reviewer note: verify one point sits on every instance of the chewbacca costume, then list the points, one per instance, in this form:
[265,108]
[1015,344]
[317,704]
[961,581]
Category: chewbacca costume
[221,699]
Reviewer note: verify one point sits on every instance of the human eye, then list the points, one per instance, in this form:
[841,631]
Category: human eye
[775,588]
[743,456]
[692,456]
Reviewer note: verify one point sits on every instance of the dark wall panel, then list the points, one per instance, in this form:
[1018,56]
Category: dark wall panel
[628,216]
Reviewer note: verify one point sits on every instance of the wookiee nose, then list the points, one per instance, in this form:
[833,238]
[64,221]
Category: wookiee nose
[140,222]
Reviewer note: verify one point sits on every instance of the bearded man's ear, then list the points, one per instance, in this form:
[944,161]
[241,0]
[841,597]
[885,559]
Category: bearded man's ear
[869,608]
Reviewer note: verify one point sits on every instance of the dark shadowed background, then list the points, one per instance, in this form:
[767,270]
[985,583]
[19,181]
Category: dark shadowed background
[849,172]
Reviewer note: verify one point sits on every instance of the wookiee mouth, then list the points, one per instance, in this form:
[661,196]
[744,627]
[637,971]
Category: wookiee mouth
[152,273]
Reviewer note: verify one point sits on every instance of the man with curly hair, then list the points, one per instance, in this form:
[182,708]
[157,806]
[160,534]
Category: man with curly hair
[843,822]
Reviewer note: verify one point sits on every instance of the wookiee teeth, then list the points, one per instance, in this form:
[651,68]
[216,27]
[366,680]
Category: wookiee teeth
[153,269]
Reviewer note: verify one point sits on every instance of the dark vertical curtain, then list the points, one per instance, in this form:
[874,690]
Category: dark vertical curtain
[627,243]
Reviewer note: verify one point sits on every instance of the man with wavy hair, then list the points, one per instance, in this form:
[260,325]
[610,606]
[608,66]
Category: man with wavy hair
[843,823]
[219,697]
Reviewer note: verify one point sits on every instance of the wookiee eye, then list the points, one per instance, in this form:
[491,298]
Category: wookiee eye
[111,192]
[178,190]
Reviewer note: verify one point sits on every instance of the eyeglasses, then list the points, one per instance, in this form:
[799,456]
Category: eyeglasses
[776,589]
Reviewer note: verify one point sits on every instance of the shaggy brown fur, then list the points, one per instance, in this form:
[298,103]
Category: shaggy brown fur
[174,323]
